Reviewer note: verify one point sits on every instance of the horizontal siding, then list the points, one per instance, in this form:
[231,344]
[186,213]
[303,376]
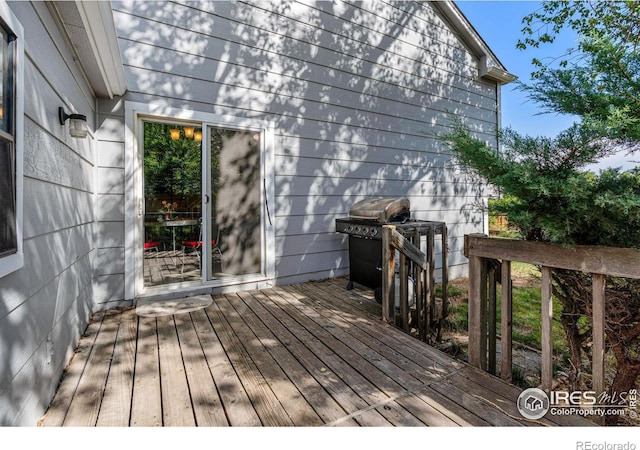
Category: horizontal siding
[148,56]
[31,321]
[46,304]
[46,257]
[401,165]
[446,194]
[110,211]
[64,208]
[357,92]
[48,159]
[289,112]
[54,62]
[276,32]
[24,400]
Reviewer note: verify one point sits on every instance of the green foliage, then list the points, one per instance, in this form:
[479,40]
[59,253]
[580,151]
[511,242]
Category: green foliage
[599,80]
[457,319]
[518,377]
[546,194]
[172,168]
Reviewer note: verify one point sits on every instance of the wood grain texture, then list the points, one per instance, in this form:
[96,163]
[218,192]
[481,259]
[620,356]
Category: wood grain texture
[310,354]
[619,262]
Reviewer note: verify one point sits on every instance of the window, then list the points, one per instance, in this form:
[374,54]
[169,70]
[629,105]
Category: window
[8,223]
[11,111]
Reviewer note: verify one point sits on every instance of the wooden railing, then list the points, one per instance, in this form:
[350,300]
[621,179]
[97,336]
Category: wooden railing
[490,260]
[415,266]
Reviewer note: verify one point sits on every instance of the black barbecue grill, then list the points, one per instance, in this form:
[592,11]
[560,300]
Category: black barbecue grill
[364,227]
[416,305]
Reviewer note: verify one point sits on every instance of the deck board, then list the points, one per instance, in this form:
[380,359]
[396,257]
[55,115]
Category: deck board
[117,394]
[346,363]
[257,344]
[326,408]
[302,355]
[207,405]
[85,404]
[146,403]
[266,404]
[176,401]
[388,378]
[310,352]
[236,402]
[408,374]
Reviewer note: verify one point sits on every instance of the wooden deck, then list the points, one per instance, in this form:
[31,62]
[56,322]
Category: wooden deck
[165,267]
[311,354]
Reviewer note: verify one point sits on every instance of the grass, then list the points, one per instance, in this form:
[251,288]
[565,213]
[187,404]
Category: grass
[527,318]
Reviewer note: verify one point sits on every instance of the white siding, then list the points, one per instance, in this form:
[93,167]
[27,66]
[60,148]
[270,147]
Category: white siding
[357,92]
[109,288]
[46,304]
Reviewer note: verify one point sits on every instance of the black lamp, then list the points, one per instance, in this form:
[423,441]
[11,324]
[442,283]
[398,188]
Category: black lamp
[77,123]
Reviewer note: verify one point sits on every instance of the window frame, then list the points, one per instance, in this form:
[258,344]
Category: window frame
[14,261]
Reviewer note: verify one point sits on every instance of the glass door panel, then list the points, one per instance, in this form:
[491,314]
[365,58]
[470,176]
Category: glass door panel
[234,237]
[172,203]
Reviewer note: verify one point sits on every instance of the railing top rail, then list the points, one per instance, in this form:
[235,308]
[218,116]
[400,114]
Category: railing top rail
[403,245]
[613,261]
[423,226]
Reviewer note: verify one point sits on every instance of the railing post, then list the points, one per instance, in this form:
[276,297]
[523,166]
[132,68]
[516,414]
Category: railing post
[598,281]
[418,289]
[431,288]
[424,275]
[388,275]
[491,320]
[547,321]
[445,272]
[404,292]
[506,319]
[477,313]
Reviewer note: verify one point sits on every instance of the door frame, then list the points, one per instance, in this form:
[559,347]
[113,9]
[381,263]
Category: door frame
[135,114]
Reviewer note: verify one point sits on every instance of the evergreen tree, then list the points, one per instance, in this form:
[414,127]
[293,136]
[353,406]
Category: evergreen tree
[547,193]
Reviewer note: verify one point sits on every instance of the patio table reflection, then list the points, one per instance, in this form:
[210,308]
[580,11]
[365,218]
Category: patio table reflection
[173,224]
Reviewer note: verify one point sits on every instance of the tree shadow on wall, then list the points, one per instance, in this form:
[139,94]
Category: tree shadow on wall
[355,93]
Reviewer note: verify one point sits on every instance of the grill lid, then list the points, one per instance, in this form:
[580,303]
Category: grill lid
[381,210]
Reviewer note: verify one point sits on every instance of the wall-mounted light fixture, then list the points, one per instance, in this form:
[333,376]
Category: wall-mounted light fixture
[197,136]
[175,133]
[77,123]
[188,132]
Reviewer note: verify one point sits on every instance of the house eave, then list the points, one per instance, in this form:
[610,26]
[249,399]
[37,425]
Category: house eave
[91,32]
[489,67]
[97,17]
[495,73]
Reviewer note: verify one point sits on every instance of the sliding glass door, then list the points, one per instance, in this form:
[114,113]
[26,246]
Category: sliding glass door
[202,203]
[172,202]
[233,203]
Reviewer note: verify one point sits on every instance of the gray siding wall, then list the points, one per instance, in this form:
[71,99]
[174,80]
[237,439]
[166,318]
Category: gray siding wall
[109,268]
[45,305]
[357,92]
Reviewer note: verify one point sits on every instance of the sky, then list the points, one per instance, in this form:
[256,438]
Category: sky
[499,23]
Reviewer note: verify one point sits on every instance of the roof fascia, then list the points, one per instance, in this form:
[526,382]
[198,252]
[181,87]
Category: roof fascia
[490,66]
[97,18]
